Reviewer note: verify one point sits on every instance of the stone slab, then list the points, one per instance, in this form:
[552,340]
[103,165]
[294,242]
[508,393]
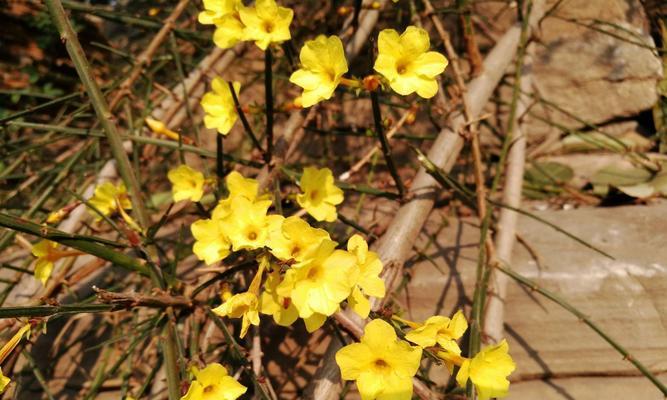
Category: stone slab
[625,296]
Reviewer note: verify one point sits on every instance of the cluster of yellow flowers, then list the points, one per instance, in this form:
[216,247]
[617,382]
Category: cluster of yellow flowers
[301,271]
[404,61]
[306,276]
[264,23]
[383,365]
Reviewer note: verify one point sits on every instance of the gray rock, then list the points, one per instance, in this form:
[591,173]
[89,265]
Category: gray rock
[593,75]
[625,296]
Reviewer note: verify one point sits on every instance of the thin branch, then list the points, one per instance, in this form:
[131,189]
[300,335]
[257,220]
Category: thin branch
[384,143]
[102,109]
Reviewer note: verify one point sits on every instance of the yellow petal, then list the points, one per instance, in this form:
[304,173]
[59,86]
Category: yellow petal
[396,388]
[489,370]
[430,64]
[4,381]
[359,303]
[371,385]
[377,334]
[414,41]
[314,322]
[389,43]
[43,269]
[353,360]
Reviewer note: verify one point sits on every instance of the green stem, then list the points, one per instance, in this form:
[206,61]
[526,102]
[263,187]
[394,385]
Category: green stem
[46,194]
[444,180]
[246,125]
[40,107]
[219,164]
[47,311]
[79,242]
[268,93]
[106,119]
[138,139]
[384,143]
[170,359]
[585,319]
[516,91]
[483,270]
[129,20]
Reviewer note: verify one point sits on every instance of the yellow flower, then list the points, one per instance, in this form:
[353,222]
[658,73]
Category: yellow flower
[441,330]
[248,225]
[4,381]
[228,31]
[219,106]
[322,284]
[213,383]
[266,23]
[245,305]
[295,240]
[214,10]
[211,244]
[320,195]
[406,62]
[242,305]
[271,303]
[488,371]
[369,282]
[225,15]
[107,198]
[382,364]
[14,341]
[46,253]
[7,349]
[187,183]
[237,186]
[159,128]
[322,65]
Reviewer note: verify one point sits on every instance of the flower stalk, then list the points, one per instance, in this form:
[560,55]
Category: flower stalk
[268,92]
[384,143]
[246,125]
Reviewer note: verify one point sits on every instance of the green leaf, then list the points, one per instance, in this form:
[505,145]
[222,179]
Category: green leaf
[548,173]
[614,175]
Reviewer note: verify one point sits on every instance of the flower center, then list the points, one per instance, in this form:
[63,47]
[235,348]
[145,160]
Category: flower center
[402,68]
[286,302]
[208,389]
[268,26]
[381,364]
[252,235]
[295,251]
[314,273]
[314,195]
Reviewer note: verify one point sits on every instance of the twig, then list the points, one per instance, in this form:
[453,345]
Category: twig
[386,149]
[129,300]
[147,55]
[85,244]
[220,163]
[268,98]
[507,223]
[102,109]
[359,164]
[246,125]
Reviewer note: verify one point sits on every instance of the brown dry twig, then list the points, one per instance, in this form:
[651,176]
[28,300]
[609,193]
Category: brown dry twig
[132,299]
